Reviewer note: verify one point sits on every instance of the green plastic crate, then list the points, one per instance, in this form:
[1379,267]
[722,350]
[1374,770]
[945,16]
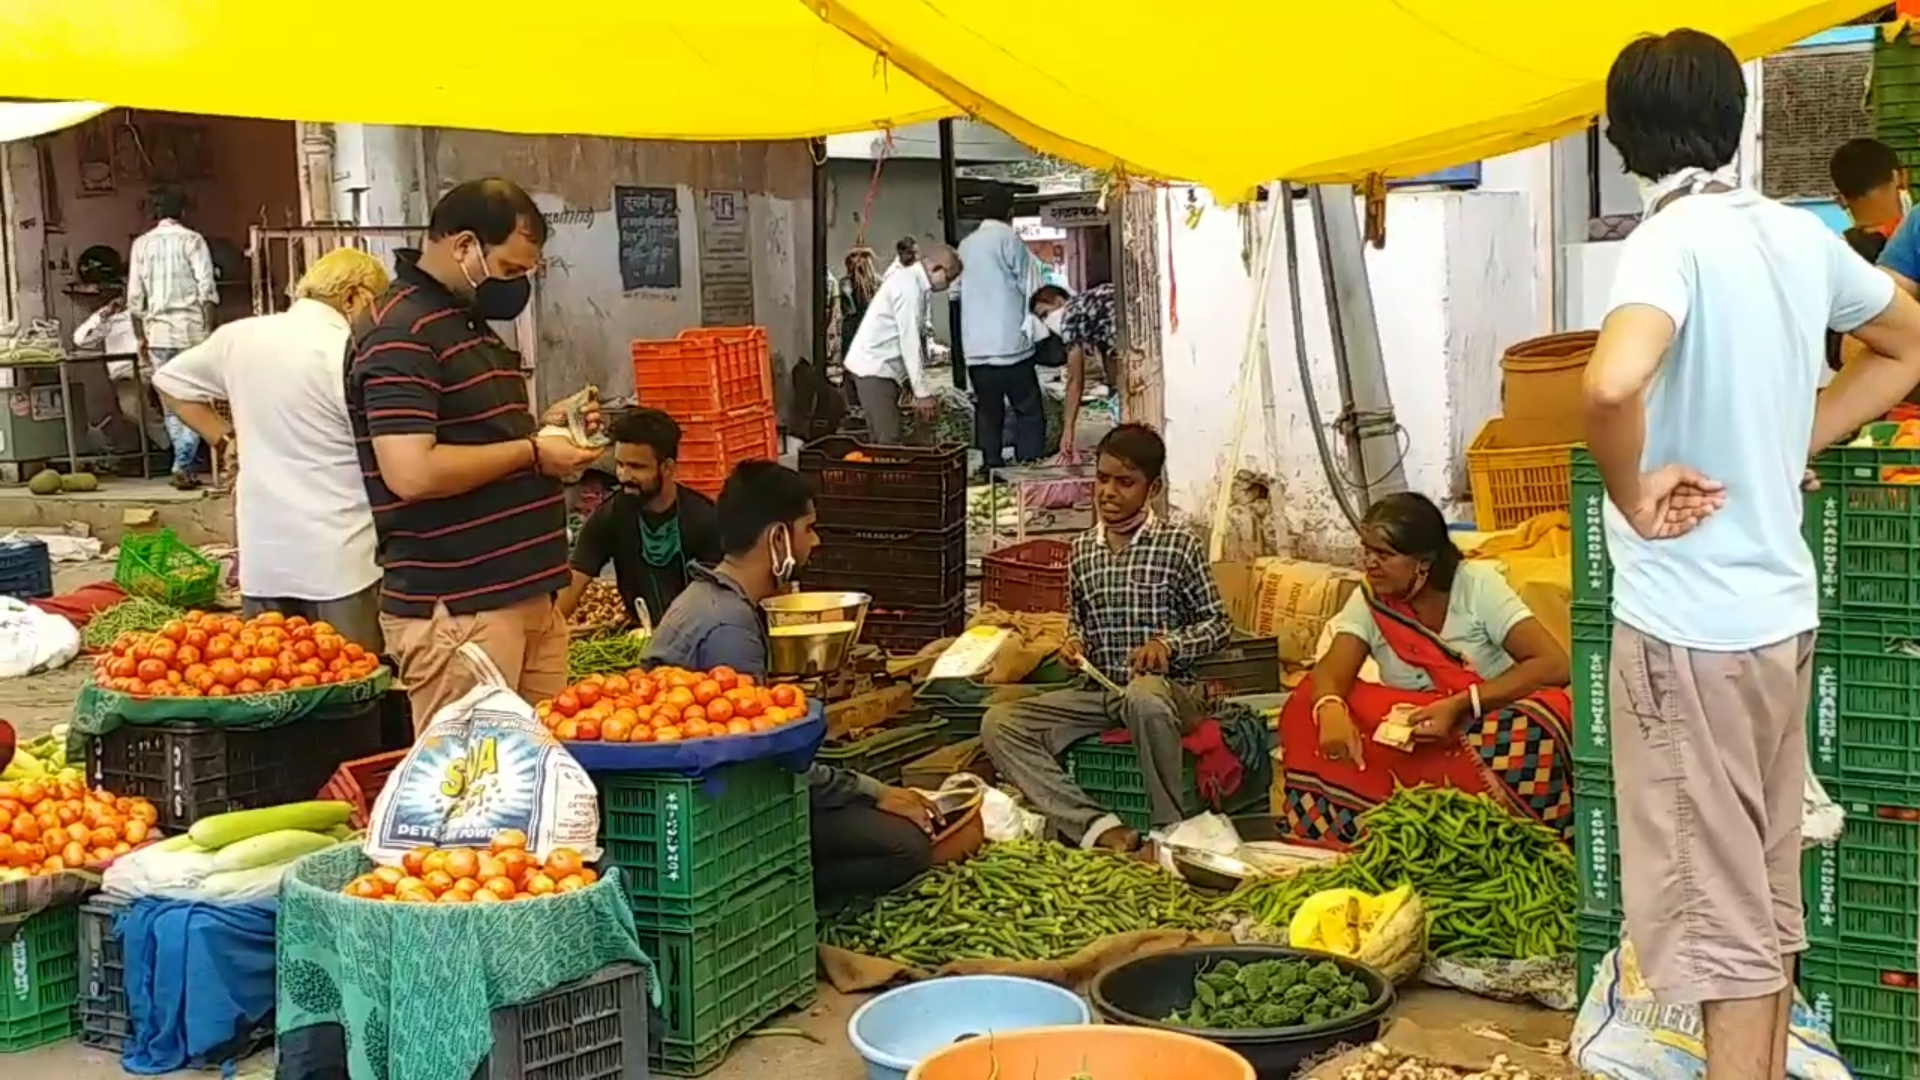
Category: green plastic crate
[882,753]
[1871,1000]
[680,842]
[1591,655]
[1865,533]
[1111,776]
[1595,937]
[727,971]
[159,567]
[963,702]
[1596,846]
[42,981]
[1864,719]
[1862,892]
[1586,506]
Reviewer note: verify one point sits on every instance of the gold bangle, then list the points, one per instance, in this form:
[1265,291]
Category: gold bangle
[1323,700]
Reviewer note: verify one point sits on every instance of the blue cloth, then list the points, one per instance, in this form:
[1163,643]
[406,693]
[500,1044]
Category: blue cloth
[792,746]
[199,979]
[1902,253]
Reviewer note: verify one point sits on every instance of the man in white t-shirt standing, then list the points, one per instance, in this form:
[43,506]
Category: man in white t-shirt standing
[306,532]
[1701,414]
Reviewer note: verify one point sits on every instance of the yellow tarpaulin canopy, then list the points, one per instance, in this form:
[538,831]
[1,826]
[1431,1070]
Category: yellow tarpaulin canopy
[714,69]
[1233,93]
[1230,93]
[26,119]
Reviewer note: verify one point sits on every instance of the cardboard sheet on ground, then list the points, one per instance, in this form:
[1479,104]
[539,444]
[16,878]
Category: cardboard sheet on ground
[1455,1048]
[852,973]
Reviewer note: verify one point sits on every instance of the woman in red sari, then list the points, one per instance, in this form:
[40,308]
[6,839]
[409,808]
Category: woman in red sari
[1484,680]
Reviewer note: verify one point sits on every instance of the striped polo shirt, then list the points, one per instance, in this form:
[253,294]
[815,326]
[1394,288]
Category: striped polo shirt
[424,364]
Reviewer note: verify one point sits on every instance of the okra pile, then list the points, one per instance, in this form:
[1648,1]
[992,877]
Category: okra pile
[1495,886]
[1020,900]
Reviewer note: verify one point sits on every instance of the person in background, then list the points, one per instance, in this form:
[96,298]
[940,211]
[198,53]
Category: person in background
[855,294]
[112,395]
[888,353]
[1871,185]
[466,493]
[868,837]
[651,529]
[1084,322]
[1142,607]
[906,252]
[995,338]
[1701,413]
[171,294]
[1483,683]
[305,530]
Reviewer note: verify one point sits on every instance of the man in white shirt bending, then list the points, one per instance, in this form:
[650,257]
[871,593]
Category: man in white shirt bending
[887,351]
[306,532]
[171,294]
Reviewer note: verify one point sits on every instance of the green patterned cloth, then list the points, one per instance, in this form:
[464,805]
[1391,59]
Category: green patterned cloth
[97,711]
[415,986]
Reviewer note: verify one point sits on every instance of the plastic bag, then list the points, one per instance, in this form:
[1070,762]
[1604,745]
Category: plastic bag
[484,765]
[1622,1032]
[1002,818]
[32,641]
[1387,931]
[1821,820]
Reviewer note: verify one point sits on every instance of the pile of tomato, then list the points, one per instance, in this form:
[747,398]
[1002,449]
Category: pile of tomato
[669,705]
[48,825]
[504,872]
[214,655]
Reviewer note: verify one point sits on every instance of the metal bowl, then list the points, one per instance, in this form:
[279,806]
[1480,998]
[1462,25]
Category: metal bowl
[1211,871]
[795,650]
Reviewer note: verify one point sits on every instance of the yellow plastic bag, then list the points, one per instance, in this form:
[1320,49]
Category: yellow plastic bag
[1387,932]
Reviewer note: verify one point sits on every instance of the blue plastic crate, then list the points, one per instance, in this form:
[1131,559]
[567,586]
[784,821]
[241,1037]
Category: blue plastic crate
[26,569]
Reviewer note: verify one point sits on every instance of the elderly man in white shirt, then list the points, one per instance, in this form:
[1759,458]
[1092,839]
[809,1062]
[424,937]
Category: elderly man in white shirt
[113,396]
[306,532]
[888,349]
[171,294]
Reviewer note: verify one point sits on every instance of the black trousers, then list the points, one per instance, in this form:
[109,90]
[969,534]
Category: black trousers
[861,850]
[999,391]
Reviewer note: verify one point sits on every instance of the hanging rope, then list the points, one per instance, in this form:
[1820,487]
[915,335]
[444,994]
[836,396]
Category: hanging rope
[1173,283]
[863,277]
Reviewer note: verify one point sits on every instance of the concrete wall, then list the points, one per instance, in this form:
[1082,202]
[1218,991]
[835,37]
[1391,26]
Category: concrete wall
[1455,285]
[585,318]
[906,202]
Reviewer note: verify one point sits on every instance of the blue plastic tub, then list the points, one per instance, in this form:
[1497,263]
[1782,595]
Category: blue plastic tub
[900,1027]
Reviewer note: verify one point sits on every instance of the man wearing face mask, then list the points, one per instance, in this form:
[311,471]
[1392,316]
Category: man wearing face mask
[306,535]
[868,837]
[652,530]
[466,494]
[1084,323]
[886,352]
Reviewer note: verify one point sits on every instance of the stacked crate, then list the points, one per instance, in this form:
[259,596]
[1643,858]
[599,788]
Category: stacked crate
[892,522]
[37,998]
[719,875]
[1861,894]
[718,384]
[1893,99]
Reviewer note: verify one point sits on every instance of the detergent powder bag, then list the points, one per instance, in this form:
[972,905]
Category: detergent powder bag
[483,766]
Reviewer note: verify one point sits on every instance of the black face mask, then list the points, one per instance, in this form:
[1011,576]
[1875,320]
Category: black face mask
[502,299]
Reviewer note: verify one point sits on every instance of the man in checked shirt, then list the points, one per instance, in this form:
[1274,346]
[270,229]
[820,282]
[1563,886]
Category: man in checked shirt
[1142,607]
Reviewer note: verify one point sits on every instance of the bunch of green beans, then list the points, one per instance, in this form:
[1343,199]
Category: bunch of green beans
[609,654]
[1020,900]
[136,615]
[1495,886]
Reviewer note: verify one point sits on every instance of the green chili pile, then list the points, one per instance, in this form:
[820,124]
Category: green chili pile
[1019,900]
[136,615]
[1495,886]
[609,654]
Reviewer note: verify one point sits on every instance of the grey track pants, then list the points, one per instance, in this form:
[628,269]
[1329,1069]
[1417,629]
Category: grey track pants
[1027,738]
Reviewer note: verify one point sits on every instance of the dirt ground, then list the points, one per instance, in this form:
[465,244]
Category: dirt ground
[35,704]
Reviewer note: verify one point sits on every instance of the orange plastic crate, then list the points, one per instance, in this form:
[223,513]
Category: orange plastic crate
[712,370]
[1519,469]
[710,446]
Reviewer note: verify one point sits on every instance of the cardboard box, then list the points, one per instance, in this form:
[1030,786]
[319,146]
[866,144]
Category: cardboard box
[1288,599]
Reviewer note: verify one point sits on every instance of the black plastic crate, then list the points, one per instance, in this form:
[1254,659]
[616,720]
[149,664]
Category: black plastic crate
[591,1029]
[191,771]
[897,487]
[1248,666]
[910,629]
[897,567]
[105,1023]
[26,569]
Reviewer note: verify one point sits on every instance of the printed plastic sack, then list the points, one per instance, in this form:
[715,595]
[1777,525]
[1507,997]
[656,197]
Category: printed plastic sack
[484,765]
[1387,932]
[1622,1032]
[32,641]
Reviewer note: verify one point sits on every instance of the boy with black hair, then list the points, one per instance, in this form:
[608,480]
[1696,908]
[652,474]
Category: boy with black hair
[651,528]
[1142,607]
[1871,184]
[868,837]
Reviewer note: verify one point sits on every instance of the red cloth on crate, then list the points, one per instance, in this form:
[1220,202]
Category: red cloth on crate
[81,605]
[1217,770]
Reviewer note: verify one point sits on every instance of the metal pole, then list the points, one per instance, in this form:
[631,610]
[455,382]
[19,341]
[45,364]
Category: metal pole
[818,244]
[950,222]
[1366,418]
[66,414]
